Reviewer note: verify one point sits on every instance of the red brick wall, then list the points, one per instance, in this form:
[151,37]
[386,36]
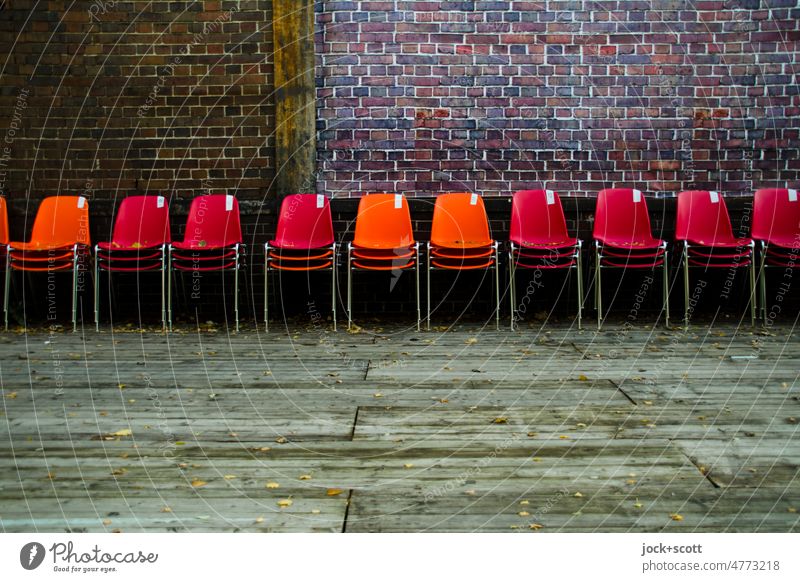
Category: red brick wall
[117,97]
[424,97]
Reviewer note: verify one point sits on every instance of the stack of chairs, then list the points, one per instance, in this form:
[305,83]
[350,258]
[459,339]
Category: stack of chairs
[776,227]
[138,244]
[303,242]
[59,243]
[212,242]
[383,241]
[539,241]
[461,241]
[623,240]
[703,225]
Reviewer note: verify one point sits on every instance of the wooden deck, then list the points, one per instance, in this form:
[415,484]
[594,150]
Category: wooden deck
[540,430]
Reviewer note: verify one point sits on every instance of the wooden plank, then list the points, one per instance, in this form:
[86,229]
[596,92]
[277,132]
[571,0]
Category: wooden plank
[295,96]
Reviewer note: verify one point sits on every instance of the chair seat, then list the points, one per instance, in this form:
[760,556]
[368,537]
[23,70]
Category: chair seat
[112,246]
[17,266]
[709,252]
[197,246]
[723,242]
[39,246]
[390,255]
[366,264]
[651,263]
[784,242]
[462,265]
[137,269]
[295,267]
[199,256]
[545,254]
[40,257]
[546,243]
[715,265]
[129,258]
[224,266]
[300,257]
[637,244]
[448,253]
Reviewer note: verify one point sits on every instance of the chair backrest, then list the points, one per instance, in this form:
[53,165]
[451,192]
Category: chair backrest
[3,222]
[304,222]
[61,221]
[383,222]
[537,217]
[621,216]
[142,221]
[213,222]
[702,216]
[459,219]
[776,215]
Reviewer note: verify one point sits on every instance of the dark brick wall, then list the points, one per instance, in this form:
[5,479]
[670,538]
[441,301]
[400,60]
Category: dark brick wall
[493,96]
[119,97]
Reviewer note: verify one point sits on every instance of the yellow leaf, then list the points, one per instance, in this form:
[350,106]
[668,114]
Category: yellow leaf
[11,395]
[334,492]
[523,513]
[122,433]
[284,503]
[51,475]
[578,494]
[166,509]
[136,245]
[259,519]
[792,510]
[532,434]
[583,378]
[470,341]
[535,526]
[637,505]
[676,516]
[408,465]
[537,459]
[229,477]
[304,477]
[377,395]
[272,485]
[563,437]
[315,511]
[281,440]
[524,502]
[199,483]
[106,522]
[500,420]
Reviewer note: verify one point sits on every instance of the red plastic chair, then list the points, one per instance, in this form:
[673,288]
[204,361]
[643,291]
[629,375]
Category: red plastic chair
[212,242]
[461,241]
[623,240]
[59,242]
[776,227]
[138,244]
[703,225]
[304,242]
[383,241]
[539,240]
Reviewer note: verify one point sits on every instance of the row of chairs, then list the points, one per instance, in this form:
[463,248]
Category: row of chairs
[384,241]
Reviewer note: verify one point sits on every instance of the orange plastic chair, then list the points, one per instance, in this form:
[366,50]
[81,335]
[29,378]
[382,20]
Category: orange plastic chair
[383,241]
[59,242]
[461,241]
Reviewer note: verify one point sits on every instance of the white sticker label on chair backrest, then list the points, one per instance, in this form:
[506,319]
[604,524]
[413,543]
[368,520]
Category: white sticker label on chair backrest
[229,202]
[551,197]
[320,200]
[792,195]
[398,200]
[473,200]
[637,196]
[81,201]
[160,202]
[714,197]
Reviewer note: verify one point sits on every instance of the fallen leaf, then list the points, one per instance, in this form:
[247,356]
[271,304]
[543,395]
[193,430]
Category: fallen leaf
[578,494]
[537,459]
[284,503]
[583,378]
[122,433]
[377,395]
[792,510]
[471,340]
[304,477]
[408,465]
[524,502]
[106,522]
[199,483]
[272,485]
[334,492]
[637,505]
[535,526]
[166,509]
[281,440]
[500,420]
[523,513]
[229,477]
[11,395]
[259,519]
[676,516]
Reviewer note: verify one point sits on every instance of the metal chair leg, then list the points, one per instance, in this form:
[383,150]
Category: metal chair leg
[266,287]
[753,302]
[428,271]
[598,297]
[579,269]
[666,288]
[416,273]
[334,289]
[96,289]
[511,285]
[163,291]
[169,287]
[497,286]
[236,289]
[686,286]
[762,280]
[75,288]
[349,286]
[7,287]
